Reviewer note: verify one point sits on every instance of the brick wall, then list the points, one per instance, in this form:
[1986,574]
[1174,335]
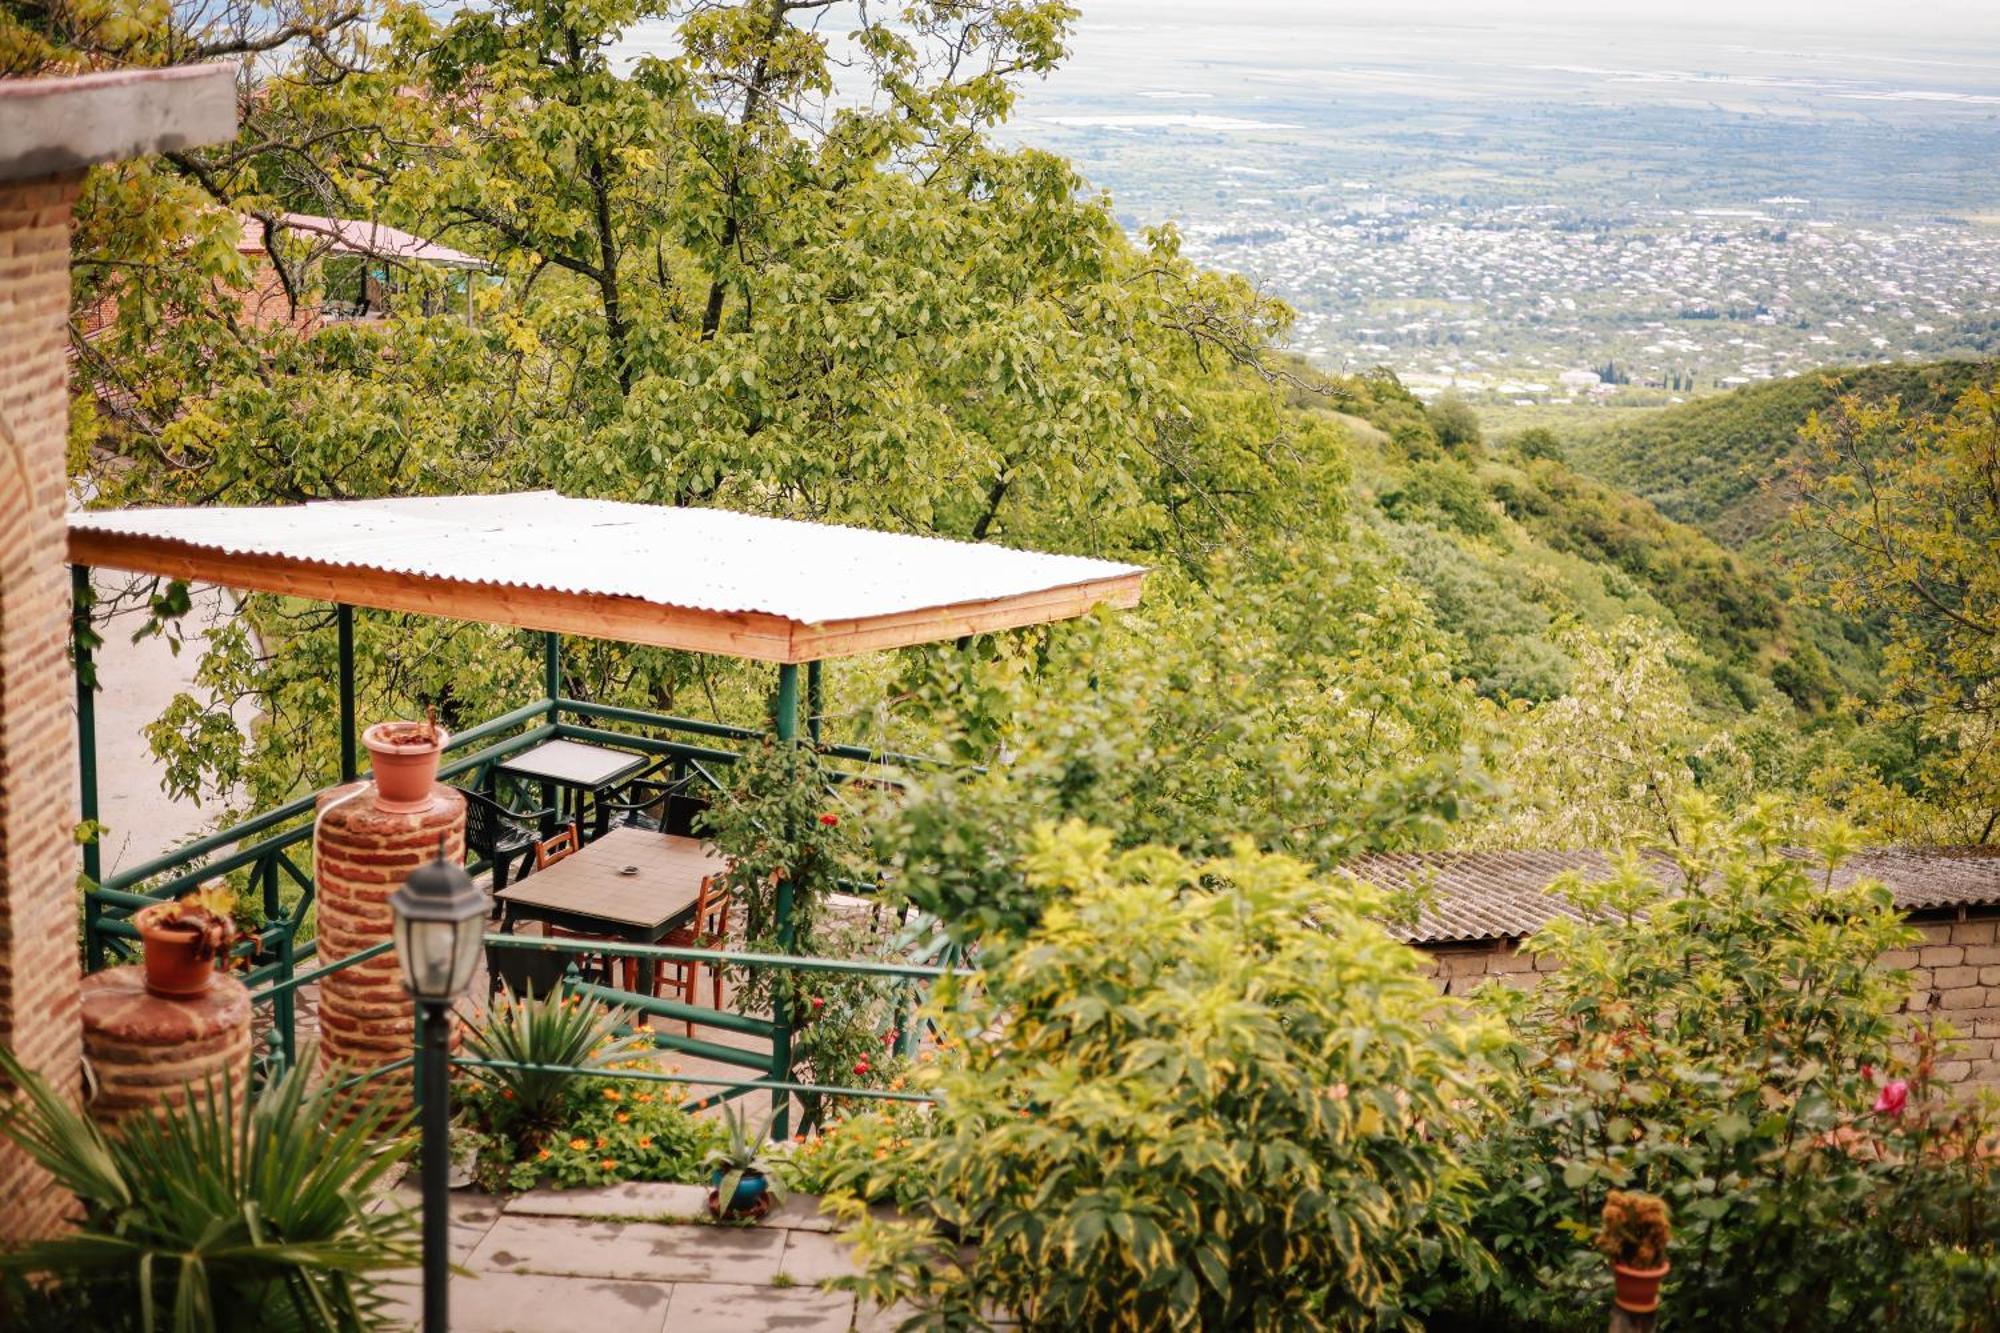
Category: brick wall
[1954,977]
[39,979]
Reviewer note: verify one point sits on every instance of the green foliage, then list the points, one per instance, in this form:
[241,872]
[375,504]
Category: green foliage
[1903,510]
[1710,1040]
[551,1034]
[1442,492]
[207,1218]
[1223,1098]
[1456,424]
[864,1155]
[845,1034]
[611,1131]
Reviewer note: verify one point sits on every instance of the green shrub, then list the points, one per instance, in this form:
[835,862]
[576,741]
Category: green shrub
[1723,1042]
[1212,1094]
[866,1155]
[525,1107]
[209,1219]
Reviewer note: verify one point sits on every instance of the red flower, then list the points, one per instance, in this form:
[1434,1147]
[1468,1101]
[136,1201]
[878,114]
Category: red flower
[818,1003]
[1894,1096]
[1868,1073]
[860,1066]
[829,820]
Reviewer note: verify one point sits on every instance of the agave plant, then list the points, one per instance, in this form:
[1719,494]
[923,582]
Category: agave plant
[207,1219]
[539,1043]
[741,1160]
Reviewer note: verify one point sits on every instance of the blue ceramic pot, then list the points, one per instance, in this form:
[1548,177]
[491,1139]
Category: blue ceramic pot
[749,1195]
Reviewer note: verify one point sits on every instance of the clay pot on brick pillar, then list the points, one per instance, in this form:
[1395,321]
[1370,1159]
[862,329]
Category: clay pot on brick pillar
[405,757]
[183,939]
[363,849]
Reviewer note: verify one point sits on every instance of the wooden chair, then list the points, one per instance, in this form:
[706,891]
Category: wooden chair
[550,850]
[556,846]
[708,929]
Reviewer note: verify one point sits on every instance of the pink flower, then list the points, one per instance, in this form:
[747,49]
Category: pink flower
[1894,1096]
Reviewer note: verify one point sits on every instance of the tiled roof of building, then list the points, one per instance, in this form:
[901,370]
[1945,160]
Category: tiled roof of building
[1477,896]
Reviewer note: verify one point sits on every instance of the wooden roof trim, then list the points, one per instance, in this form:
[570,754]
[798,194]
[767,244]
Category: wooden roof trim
[753,635]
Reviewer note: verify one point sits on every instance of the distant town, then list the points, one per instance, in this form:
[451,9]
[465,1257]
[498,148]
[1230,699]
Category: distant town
[1530,305]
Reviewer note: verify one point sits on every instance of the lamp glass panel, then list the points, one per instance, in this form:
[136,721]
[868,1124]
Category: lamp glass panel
[465,952]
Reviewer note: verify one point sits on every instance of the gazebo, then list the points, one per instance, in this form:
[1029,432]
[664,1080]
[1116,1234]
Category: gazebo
[702,580]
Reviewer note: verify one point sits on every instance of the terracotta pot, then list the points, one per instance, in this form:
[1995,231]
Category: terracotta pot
[405,755]
[174,965]
[1638,1289]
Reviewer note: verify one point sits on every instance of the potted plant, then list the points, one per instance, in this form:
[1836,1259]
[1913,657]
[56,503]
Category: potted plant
[184,938]
[405,757]
[1634,1237]
[744,1186]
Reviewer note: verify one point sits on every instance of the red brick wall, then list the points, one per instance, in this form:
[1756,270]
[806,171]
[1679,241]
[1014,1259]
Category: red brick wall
[1954,975]
[39,973]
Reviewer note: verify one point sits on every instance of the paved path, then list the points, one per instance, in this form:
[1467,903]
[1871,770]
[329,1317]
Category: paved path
[634,1259]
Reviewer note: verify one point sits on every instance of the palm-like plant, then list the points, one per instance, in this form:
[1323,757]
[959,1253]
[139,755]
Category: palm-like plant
[540,1044]
[207,1219]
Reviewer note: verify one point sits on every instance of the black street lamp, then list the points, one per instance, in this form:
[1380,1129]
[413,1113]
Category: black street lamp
[440,918]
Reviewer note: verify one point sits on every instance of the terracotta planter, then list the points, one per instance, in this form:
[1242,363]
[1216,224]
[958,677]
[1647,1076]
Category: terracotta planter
[1638,1289]
[405,756]
[175,967]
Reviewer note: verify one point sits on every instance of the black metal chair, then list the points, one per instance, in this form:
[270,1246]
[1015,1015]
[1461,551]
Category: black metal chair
[648,803]
[499,834]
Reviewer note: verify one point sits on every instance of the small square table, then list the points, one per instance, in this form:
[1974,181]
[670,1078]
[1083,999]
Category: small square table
[591,890]
[579,769]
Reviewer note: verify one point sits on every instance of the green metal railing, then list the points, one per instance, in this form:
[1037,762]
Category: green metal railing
[770,1081]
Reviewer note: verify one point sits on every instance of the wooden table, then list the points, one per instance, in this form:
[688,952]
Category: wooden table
[578,768]
[590,891]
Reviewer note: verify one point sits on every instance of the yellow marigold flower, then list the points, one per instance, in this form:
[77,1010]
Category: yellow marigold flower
[609,1165]
[543,1155]
[579,1144]
[643,1097]
[606,1143]
[612,1095]
[646,1142]
[622,1117]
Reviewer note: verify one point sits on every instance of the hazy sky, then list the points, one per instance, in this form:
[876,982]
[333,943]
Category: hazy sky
[1914,18]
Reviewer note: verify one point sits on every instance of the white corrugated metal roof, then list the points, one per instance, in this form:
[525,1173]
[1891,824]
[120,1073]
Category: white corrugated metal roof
[709,560]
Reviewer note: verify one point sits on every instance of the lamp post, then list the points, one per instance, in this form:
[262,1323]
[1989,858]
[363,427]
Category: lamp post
[439,919]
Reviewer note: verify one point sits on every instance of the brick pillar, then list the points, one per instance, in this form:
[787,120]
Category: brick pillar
[39,972]
[361,855]
[146,1051]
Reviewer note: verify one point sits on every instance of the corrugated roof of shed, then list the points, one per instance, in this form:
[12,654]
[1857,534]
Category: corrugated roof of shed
[1478,896]
[708,580]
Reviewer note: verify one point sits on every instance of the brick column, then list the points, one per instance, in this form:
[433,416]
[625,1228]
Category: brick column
[147,1052]
[51,131]
[362,854]
[39,971]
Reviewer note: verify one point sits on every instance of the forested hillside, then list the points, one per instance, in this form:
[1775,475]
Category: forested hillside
[1706,462]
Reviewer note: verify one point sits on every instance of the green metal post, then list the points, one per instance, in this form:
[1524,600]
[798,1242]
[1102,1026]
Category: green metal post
[552,687]
[815,701]
[552,670]
[343,616]
[786,725]
[86,756]
[284,1017]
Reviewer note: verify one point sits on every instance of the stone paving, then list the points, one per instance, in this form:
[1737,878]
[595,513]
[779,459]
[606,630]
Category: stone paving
[641,1258]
